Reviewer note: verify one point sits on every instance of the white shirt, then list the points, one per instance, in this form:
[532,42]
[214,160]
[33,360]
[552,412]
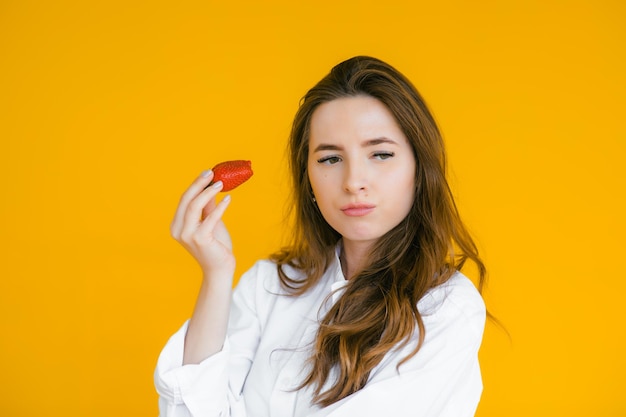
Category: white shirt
[269,336]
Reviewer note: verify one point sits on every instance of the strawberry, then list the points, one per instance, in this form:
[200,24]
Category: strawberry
[232,173]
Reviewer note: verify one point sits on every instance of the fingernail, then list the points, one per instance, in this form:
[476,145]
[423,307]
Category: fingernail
[206,173]
[217,184]
[226,198]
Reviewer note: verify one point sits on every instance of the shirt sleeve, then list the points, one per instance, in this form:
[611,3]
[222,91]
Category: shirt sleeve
[442,380]
[183,389]
[212,387]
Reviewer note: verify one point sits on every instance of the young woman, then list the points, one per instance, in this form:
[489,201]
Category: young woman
[366,313]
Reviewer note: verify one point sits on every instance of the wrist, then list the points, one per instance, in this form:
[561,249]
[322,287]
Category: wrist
[219,274]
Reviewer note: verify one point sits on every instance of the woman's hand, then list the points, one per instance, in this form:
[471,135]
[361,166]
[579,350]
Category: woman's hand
[198,226]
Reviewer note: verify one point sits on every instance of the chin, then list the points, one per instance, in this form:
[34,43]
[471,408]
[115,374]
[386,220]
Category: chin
[362,238]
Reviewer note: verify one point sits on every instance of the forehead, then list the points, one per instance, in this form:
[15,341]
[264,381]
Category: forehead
[353,118]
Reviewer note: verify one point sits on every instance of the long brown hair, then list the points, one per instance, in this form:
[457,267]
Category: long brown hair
[378,310]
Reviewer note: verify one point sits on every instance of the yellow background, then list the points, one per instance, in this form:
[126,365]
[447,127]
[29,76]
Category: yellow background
[109,109]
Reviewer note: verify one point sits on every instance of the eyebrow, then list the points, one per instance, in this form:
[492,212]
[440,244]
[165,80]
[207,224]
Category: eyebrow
[371,142]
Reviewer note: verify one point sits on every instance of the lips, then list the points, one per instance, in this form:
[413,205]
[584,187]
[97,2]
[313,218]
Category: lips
[357,210]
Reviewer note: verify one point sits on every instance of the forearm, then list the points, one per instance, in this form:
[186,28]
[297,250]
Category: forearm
[208,325]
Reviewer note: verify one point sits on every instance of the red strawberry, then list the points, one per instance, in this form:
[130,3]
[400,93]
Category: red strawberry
[232,173]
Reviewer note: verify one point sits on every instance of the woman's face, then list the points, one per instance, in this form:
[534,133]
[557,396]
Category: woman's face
[361,168]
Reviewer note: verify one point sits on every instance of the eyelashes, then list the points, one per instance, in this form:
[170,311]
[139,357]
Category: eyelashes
[384,155]
[329,160]
[333,159]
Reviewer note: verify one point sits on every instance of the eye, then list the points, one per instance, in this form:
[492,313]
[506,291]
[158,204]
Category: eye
[383,155]
[329,160]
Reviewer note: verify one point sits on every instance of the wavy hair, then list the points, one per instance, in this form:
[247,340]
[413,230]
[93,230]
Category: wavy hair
[378,310]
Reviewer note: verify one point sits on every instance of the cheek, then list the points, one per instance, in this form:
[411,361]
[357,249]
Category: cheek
[311,176]
[404,190]
[402,181]
[408,203]
[324,203]
[314,184]
[320,182]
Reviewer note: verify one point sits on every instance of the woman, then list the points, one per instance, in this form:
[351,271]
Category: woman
[365,314]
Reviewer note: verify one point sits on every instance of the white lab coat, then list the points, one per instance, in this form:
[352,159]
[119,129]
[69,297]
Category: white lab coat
[265,353]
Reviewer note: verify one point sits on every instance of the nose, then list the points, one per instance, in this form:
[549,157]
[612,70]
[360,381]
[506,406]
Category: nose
[355,177]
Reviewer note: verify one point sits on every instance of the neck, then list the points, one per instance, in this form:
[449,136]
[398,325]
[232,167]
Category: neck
[353,257]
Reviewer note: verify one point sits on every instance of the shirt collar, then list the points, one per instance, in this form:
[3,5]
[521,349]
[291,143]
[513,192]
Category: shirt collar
[338,280]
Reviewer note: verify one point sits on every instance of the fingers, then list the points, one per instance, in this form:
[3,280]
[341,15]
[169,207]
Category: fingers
[193,216]
[209,223]
[197,187]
